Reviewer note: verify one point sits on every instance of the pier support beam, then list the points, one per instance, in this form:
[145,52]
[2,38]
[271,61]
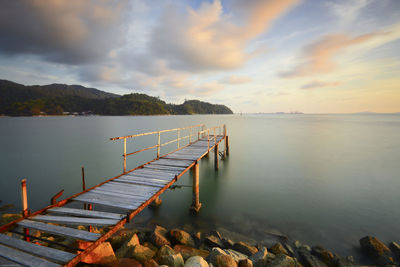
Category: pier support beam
[227,145]
[25,211]
[196,205]
[216,161]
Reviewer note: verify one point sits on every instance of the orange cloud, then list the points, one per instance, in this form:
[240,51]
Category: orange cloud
[318,84]
[319,56]
[207,38]
[234,79]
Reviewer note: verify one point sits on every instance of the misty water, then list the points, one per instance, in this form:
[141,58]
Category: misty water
[322,179]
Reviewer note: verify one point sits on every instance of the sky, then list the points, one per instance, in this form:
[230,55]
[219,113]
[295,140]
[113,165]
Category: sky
[312,56]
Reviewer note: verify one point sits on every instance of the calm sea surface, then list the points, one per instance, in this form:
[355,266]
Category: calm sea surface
[322,179]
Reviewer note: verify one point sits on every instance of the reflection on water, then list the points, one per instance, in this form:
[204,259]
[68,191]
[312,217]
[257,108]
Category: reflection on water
[323,179]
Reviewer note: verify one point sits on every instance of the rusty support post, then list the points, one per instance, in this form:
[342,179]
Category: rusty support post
[227,145]
[190,135]
[158,145]
[208,139]
[196,205]
[156,203]
[90,228]
[83,184]
[124,155]
[25,212]
[216,161]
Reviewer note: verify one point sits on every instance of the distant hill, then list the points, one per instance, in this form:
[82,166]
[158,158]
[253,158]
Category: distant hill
[57,99]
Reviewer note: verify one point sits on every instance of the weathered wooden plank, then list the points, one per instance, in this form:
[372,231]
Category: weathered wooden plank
[126,180]
[24,258]
[125,189]
[181,157]
[45,252]
[134,199]
[87,213]
[120,192]
[156,172]
[74,220]
[162,171]
[159,167]
[146,179]
[130,192]
[60,230]
[170,162]
[95,198]
[136,187]
[151,176]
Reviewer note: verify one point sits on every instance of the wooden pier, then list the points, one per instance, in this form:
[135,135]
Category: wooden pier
[131,191]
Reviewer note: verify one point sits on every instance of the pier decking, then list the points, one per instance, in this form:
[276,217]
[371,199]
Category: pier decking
[130,192]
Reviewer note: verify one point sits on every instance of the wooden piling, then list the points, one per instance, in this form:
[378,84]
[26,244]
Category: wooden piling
[124,155]
[25,212]
[216,161]
[196,205]
[83,184]
[227,145]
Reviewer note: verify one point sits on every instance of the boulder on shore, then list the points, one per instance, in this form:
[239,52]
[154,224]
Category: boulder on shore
[375,248]
[158,237]
[196,261]
[188,252]
[245,248]
[181,237]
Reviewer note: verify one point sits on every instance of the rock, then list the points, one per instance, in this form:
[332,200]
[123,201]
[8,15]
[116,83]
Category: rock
[309,260]
[395,248]
[150,263]
[197,237]
[9,217]
[227,243]
[245,248]
[215,252]
[237,256]
[150,246]
[160,230]
[278,249]
[127,247]
[347,262]
[225,261]
[324,255]
[260,256]
[142,253]
[120,237]
[174,260]
[216,233]
[196,261]
[245,263]
[282,260]
[165,251]
[125,262]
[103,254]
[213,241]
[375,248]
[181,237]
[188,252]
[159,240]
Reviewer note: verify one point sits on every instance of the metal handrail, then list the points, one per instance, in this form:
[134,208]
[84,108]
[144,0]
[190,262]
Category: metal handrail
[178,138]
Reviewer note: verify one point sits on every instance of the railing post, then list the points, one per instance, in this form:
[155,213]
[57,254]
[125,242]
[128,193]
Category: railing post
[190,135]
[215,137]
[25,212]
[198,133]
[196,205]
[208,139]
[216,161]
[158,145]
[227,145]
[83,184]
[124,155]
[179,135]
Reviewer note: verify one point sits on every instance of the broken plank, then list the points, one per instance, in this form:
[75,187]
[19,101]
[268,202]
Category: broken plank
[24,258]
[74,220]
[60,230]
[87,213]
[45,252]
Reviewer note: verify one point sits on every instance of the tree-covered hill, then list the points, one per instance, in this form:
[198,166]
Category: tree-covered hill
[57,99]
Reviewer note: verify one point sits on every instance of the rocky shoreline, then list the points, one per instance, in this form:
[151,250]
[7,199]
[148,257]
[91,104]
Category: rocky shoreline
[178,248]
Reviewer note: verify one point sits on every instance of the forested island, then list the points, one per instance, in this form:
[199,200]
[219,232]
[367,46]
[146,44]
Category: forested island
[61,99]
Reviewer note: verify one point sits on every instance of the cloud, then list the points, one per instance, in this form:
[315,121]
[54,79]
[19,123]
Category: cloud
[234,79]
[319,84]
[319,56]
[348,10]
[207,38]
[62,31]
